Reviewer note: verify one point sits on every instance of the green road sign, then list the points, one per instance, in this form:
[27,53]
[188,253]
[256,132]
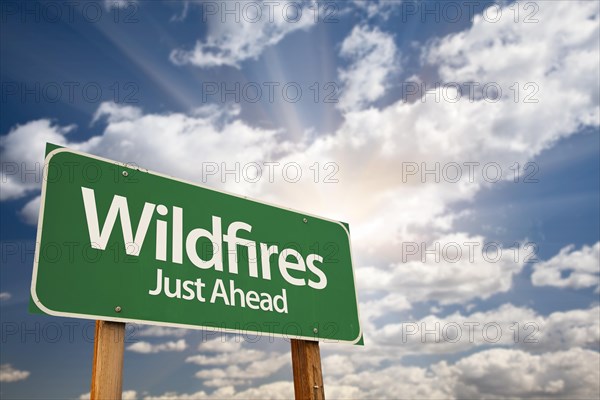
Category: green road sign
[123,244]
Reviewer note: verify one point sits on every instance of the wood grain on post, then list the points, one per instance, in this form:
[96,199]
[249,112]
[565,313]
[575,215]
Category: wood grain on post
[306,365]
[107,369]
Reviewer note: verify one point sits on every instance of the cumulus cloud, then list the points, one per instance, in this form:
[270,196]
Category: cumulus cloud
[490,374]
[259,26]
[454,268]
[501,373]
[581,267]
[159,331]
[233,364]
[10,374]
[507,325]
[125,395]
[556,55]
[494,373]
[170,137]
[373,59]
[228,358]
[149,348]
[376,8]
[30,212]
[237,374]
[5,296]
[22,154]
[223,344]
[269,391]
[116,113]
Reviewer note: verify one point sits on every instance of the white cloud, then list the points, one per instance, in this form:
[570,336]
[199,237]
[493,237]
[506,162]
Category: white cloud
[490,374]
[262,368]
[22,154]
[230,42]
[507,325]
[558,54]
[502,373]
[457,270]
[109,4]
[5,296]
[170,137]
[159,331]
[373,59]
[235,364]
[495,373]
[125,395]
[269,391]
[184,12]
[582,267]
[228,358]
[148,348]
[31,210]
[116,113]
[336,365]
[222,344]
[392,302]
[377,8]
[9,374]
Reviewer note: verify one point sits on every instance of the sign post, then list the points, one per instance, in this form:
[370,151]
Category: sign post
[306,365]
[121,244]
[107,367]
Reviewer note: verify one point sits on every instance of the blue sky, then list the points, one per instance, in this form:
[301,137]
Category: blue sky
[161,68]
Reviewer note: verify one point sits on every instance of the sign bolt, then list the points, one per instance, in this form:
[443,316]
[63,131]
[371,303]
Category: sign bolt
[125,173]
[118,309]
[315,330]
[305,220]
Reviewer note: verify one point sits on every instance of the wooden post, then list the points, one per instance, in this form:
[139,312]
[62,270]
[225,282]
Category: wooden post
[107,369]
[306,364]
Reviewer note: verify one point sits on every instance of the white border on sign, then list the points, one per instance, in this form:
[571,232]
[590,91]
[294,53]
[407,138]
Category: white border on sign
[170,324]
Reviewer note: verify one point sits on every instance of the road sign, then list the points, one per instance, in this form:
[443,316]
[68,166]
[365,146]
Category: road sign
[119,243]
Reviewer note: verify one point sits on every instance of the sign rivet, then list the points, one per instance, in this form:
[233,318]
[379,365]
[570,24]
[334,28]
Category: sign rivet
[125,173]
[315,330]
[305,220]
[118,309]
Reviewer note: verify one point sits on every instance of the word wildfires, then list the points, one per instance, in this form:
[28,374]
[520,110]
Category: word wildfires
[295,269]
[251,299]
